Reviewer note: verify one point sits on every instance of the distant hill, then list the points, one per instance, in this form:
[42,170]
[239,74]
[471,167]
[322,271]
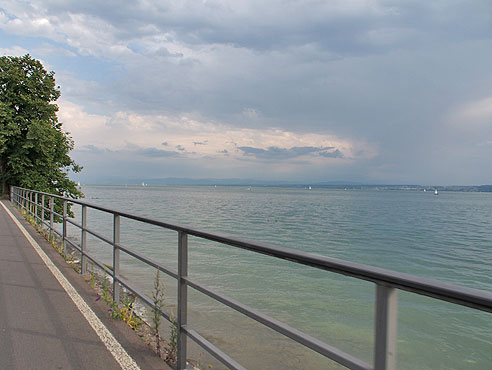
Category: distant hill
[176,181]
[485,188]
[212,181]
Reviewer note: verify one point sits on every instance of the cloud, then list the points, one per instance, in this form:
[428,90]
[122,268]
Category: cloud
[25,22]
[15,51]
[47,49]
[130,150]
[331,154]
[208,138]
[164,52]
[474,112]
[156,153]
[250,113]
[92,149]
[274,152]
[371,80]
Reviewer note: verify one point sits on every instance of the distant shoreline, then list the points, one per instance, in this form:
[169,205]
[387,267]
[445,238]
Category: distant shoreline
[457,188]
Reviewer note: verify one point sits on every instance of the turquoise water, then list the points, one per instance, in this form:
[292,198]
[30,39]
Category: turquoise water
[448,237]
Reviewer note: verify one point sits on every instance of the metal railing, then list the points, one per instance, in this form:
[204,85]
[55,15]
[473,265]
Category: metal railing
[387,282]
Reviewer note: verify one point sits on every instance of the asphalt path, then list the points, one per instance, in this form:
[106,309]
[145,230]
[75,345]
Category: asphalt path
[42,324]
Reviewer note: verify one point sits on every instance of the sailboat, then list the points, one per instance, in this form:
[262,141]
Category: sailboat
[436,192]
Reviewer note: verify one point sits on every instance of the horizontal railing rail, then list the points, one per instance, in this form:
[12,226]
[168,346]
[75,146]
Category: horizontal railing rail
[387,282]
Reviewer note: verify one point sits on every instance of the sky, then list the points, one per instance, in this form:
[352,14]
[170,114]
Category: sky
[370,91]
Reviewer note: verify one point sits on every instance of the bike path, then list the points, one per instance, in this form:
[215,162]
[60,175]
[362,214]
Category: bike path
[42,324]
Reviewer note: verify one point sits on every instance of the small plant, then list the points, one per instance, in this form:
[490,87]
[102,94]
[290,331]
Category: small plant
[105,287]
[198,365]
[54,244]
[45,233]
[93,279]
[114,310]
[173,339]
[158,300]
[127,312]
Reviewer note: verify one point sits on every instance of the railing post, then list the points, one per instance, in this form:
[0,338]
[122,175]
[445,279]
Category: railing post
[52,208]
[30,203]
[83,241]
[182,299]
[36,208]
[116,258]
[385,328]
[42,210]
[12,194]
[64,233]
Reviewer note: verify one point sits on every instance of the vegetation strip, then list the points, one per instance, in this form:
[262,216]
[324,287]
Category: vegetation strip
[125,361]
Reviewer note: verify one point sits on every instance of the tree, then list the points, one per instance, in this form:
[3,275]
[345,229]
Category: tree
[34,150]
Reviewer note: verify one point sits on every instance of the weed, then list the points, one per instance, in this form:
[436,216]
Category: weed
[173,339]
[158,300]
[105,287]
[93,279]
[114,310]
[127,312]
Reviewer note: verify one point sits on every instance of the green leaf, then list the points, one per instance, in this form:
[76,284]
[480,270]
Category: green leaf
[34,149]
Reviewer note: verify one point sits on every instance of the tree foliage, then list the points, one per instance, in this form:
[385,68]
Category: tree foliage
[34,150]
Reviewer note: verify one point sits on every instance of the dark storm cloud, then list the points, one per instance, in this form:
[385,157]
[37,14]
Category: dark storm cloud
[92,149]
[260,25]
[382,72]
[156,153]
[331,154]
[346,68]
[274,152]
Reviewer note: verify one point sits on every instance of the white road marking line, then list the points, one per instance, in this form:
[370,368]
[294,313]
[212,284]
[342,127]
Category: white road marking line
[114,347]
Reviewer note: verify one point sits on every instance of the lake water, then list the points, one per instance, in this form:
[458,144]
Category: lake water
[446,237]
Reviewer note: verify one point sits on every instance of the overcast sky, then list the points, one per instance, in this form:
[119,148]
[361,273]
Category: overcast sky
[351,90]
